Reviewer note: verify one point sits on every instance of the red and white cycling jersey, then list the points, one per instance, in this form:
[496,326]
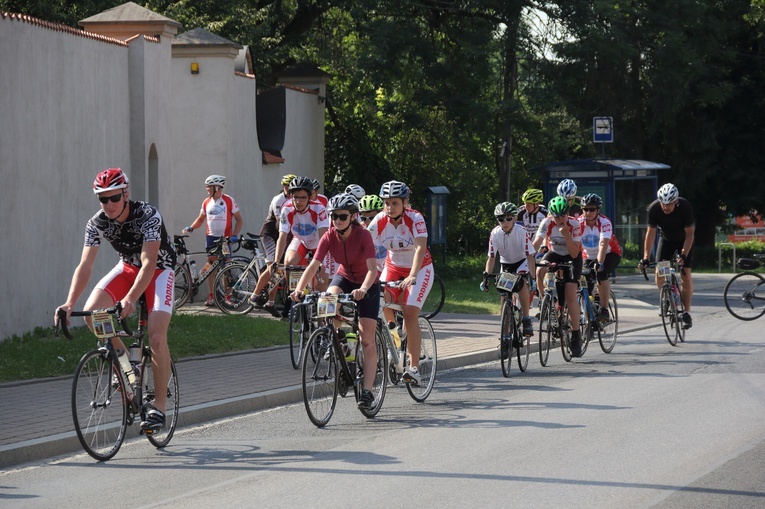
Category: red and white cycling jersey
[555,240]
[512,246]
[219,214]
[304,225]
[399,240]
[591,235]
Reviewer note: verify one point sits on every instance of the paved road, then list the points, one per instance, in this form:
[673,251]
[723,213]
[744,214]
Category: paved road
[35,417]
[647,426]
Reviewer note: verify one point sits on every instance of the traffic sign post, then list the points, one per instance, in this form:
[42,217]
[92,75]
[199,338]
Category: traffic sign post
[603,131]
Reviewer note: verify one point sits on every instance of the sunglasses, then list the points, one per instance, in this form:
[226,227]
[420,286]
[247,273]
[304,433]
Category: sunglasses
[589,209]
[299,198]
[505,219]
[341,217]
[367,218]
[113,199]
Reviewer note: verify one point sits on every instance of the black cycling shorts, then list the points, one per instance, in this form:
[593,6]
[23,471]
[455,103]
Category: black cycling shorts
[667,248]
[369,306]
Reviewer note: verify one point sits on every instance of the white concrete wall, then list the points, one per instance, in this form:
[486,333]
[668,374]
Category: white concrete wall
[64,115]
[71,106]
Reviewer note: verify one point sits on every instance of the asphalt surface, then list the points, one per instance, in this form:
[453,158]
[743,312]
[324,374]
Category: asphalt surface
[36,420]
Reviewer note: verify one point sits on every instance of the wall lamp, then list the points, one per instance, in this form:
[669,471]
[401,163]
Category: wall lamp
[194,68]
[322,99]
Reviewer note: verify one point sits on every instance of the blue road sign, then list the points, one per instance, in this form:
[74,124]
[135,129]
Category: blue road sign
[603,129]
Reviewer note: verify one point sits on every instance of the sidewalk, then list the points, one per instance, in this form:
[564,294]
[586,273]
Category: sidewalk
[36,419]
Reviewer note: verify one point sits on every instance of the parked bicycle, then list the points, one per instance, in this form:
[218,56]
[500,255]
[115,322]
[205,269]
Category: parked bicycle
[671,306]
[332,363]
[744,295]
[554,323]
[511,338]
[187,282]
[394,336]
[109,395]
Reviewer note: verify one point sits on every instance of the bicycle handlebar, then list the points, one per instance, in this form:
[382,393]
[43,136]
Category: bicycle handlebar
[114,310]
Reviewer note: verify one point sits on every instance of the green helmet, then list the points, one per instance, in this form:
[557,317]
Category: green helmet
[370,202]
[558,206]
[505,209]
[533,196]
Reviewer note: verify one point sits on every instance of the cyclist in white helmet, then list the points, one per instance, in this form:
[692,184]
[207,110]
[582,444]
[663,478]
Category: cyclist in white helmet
[402,231]
[567,189]
[672,215]
[223,220]
[356,190]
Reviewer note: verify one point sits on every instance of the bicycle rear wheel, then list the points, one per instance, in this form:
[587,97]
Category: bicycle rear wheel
[320,378]
[564,325]
[435,299]
[609,329]
[234,285]
[741,296]
[299,332]
[99,405]
[585,325]
[545,329]
[507,332]
[161,438]
[668,314]
[428,362]
[181,285]
[524,342]
[379,385]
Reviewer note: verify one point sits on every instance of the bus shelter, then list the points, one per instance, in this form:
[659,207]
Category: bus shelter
[627,186]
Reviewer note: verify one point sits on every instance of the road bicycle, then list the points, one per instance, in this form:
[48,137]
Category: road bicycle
[554,323]
[671,307]
[435,299]
[239,278]
[511,338]
[589,306]
[744,295]
[332,363]
[396,345]
[187,282]
[111,389]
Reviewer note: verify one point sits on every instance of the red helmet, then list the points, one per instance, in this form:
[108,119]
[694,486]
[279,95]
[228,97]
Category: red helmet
[110,180]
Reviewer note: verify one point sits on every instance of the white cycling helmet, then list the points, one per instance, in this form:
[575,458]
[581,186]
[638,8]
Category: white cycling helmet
[394,189]
[215,180]
[356,190]
[567,188]
[667,194]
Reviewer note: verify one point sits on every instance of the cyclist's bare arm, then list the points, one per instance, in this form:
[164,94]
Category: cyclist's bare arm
[650,237]
[80,280]
[238,224]
[369,280]
[281,245]
[490,264]
[197,222]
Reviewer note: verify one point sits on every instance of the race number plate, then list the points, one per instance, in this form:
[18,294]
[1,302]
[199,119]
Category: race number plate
[663,269]
[326,306]
[103,324]
[506,281]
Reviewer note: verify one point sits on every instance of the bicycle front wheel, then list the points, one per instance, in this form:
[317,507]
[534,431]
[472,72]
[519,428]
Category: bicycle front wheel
[668,314]
[741,296]
[99,405]
[435,299]
[379,385]
[161,438]
[609,327]
[507,332]
[428,362]
[545,329]
[234,285]
[320,377]
[181,285]
[585,325]
[565,327]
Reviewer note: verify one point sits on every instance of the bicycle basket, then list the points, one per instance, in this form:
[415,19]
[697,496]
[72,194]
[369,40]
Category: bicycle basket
[748,263]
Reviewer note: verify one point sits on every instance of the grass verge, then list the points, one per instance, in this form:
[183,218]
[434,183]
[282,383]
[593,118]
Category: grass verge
[40,354]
